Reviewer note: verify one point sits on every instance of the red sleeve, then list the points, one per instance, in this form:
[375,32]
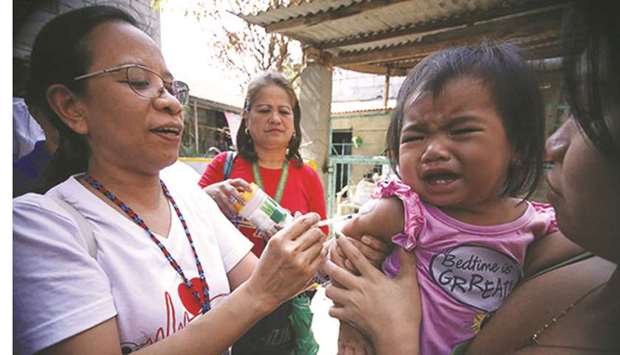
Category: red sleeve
[317,196]
[214,171]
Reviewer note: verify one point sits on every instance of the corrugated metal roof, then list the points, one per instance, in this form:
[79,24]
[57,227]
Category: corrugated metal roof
[299,10]
[396,16]
[400,32]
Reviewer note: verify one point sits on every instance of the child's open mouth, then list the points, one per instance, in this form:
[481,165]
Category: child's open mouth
[440,179]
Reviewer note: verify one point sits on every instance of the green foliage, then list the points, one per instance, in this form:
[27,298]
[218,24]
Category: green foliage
[357,141]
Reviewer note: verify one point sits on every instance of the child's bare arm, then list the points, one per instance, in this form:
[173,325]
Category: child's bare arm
[549,250]
[381,218]
[352,342]
[371,231]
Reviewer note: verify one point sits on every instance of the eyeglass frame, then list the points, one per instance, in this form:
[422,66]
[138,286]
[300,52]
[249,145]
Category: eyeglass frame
[185,87]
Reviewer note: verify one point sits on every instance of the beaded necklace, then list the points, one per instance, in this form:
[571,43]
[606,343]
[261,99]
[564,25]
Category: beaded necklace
[206,305]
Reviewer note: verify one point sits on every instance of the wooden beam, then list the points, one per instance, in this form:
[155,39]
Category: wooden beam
[551,49]
[363,68]
[399,68]
[321,17]
[375,69]
[519,27]
[532,50]
[530,8]
[315,55]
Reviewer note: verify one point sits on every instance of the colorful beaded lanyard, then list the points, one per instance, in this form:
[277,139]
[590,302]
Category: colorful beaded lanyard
[206,305]
[281,182]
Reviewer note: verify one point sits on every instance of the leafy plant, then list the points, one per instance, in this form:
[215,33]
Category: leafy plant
[357,141]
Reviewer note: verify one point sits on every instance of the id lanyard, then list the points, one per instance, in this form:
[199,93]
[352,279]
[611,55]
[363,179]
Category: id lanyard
[281,182]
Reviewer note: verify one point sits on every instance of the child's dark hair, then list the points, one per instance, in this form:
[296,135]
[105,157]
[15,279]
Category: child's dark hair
[591,39]
[514,91]
[60,53]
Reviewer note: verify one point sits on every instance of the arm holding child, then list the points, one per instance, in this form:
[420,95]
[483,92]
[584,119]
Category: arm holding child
[392,327]
[381,219]
[548,251]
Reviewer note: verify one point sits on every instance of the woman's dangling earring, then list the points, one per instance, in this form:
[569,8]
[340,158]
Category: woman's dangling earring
[247,132]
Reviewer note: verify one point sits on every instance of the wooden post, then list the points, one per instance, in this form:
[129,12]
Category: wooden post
[386,89]
[196,125]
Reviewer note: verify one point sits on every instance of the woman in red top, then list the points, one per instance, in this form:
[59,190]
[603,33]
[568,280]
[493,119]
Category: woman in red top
[268,155]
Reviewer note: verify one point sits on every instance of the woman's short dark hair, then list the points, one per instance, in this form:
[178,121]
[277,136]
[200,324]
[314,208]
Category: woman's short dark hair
[592,72]
[514,91]
[245,144]
[60,53]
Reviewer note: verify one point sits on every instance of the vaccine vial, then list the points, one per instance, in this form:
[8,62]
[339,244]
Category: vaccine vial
[262,211]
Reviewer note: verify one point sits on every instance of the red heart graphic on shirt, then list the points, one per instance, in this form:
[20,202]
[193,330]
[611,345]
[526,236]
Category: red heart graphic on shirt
[187,297]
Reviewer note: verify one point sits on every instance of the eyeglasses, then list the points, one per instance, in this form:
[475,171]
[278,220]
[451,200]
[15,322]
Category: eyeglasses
[146,82]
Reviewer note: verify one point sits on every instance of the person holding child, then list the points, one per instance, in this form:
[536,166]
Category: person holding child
[168,273]
[572,306]
[457,207]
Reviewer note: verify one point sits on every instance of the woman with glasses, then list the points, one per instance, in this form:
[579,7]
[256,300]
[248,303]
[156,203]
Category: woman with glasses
[116,257]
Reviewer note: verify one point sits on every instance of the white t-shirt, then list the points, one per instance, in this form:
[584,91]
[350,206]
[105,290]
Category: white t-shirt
[59,290]
[179,172]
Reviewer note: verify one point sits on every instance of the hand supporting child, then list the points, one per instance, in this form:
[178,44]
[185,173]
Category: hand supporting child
[382,224]
[355,302]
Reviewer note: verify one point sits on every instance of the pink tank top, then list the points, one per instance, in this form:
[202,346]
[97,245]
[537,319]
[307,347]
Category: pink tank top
[464,271]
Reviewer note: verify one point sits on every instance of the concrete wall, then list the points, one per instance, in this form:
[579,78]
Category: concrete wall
[315,103]
[371,128]
[32,15]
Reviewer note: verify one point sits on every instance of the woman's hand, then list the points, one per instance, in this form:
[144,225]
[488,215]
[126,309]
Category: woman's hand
[374,303]
[374,249]
[290,260]
[226,194]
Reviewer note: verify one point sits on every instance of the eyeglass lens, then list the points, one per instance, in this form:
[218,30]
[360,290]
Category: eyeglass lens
[148,84]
